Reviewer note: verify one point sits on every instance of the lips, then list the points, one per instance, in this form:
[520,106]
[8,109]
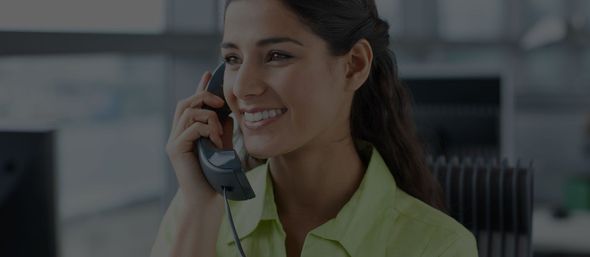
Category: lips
[256,118]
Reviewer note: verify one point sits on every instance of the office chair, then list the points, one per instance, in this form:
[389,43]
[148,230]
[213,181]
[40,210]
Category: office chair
[493,200]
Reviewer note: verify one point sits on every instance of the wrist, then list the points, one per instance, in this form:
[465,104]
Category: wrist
[208,207]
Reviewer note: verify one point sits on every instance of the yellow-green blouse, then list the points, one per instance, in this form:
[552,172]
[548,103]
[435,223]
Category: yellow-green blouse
[379,220]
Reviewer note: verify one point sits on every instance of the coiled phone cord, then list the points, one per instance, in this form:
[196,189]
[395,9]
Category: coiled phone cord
[231,222]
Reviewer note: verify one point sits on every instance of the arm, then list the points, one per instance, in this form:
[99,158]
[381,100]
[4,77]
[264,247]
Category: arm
[188,232]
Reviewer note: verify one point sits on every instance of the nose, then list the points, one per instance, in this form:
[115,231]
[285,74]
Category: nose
[248,82]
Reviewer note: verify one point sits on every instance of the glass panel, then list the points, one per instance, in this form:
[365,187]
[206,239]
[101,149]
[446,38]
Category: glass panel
[541,9]
[583,83]
[547,70]
[109,112]
[583,16]
[391,11]
[555,141]
[83,15]
[470,19]
[476,58]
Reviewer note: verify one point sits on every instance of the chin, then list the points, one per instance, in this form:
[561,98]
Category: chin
[261,149]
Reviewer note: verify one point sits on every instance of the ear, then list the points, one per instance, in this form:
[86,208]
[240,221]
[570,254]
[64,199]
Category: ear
[358,68]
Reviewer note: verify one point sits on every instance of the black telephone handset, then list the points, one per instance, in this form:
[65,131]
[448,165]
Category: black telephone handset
[222,168]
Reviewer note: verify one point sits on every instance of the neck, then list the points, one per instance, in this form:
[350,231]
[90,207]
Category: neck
[317,180]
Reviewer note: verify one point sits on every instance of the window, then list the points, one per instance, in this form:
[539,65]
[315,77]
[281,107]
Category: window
[109,113]
[470,19]
[83,15]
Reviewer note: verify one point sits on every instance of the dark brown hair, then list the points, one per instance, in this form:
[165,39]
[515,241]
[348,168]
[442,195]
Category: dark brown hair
[381,109]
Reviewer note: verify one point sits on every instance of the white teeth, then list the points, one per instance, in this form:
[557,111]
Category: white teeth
[263,115]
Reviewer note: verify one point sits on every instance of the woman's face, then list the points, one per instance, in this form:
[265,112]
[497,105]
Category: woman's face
[284,87]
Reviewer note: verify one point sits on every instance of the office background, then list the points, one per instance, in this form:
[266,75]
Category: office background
[107,75]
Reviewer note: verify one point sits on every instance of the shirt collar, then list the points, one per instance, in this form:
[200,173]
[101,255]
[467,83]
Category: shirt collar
[365,210]
[358,217]
[248,214]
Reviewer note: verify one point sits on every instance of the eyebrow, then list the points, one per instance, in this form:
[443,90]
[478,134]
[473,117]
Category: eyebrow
[265,42]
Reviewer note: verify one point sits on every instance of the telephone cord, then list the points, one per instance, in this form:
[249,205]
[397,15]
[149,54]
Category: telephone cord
[231,222]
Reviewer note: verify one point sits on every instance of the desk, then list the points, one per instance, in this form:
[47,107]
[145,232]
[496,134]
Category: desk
[570,235]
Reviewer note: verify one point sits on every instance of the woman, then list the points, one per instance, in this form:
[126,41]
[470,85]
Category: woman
[315,92]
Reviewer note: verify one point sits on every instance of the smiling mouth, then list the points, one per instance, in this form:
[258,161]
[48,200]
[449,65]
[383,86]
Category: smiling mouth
[264,115]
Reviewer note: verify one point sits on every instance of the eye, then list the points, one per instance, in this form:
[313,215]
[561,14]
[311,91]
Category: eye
[278,56]
[230,60]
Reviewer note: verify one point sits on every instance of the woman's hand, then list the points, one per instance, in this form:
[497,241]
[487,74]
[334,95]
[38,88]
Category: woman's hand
[201,207]
[191,122]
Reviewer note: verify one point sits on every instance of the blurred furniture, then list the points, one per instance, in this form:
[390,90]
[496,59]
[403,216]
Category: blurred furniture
[577,192]
[458,115]
[27,202]
[492,199]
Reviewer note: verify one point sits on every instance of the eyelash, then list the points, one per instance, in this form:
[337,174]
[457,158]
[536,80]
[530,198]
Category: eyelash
[282,57]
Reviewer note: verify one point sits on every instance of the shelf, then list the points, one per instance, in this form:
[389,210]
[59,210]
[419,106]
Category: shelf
[38,43]
[553,101]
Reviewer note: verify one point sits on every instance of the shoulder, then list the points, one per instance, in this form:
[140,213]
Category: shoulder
[430,231]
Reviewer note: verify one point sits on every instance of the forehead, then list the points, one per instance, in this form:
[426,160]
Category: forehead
[254,19]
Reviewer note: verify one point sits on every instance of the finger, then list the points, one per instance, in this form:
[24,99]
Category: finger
[180,107]
[204,81]
[206,98]
[197,101]
[198,130]
[183,104]
[209,117]
[191,116]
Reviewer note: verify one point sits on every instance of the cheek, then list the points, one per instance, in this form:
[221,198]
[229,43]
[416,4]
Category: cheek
[308,96]
[296,90]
